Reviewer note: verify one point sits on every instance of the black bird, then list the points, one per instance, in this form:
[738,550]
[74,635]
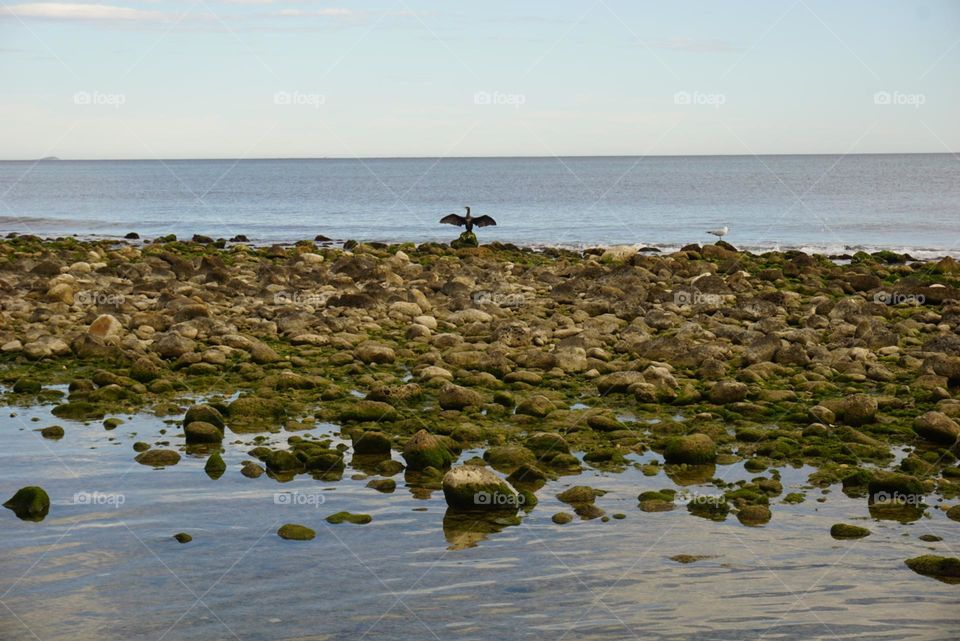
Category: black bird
[468,221]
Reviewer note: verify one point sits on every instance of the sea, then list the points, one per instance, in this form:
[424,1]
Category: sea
[828,204]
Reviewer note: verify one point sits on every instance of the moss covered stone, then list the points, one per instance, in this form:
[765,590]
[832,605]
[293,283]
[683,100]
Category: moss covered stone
[202,432]
[158,458]
[349,517]
[205,414]
[562,518]
[295,532]
[182,537]
[695,449]
[368,411]
[474,488]
[946,569]
[847,531]
[30,503]
[425,450]
[215,467]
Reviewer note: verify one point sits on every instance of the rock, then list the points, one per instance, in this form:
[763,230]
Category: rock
[726,392]
[538,406]
[12,347]
[619,382]
[106,326]
[508,457]
[579,494]
[383,485]
[695,449]
[389,467]
[158,458]
[937,427]
[182,537]
[201,432]
[821,414]
[251,470]
[561,518]
[295,532]
[465,240]
[373,353]
[547,444]
[254,410]
[371,443]
[368,411]
[172,345]
[261,353]
[946,569]
[433,371]
[474,488]
[858,409]
[425,450]
[215,467]
[455,397]
[205,414]
[348,517]
[754,515]
[54,432]
[30,503]
[61,293]
[846,531]
[27,386]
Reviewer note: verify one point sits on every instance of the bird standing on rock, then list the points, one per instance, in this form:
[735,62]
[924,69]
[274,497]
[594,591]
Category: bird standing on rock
[719,233]
[468,221]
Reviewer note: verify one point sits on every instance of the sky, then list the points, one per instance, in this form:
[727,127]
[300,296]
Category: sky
[328,78]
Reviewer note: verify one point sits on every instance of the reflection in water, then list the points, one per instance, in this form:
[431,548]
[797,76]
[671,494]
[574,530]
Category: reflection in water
[112,571]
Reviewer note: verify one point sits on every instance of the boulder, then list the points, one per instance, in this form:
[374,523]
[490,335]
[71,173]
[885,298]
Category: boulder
[694,449]
[455,397]
[475,488]
[937,427]
[426,450]
[30,503]
[202,432]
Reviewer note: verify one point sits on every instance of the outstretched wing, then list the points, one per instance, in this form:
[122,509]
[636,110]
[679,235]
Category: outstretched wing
[484,221]
[454,219]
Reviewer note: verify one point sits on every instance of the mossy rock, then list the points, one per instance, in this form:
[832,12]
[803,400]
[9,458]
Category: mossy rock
[891,486]
[182,537]
[27,386]
[714,508]
[942,568]
[202,432]
[847,531]
[538,406]
[794,498]
[54,432]
[547,444]
[604,423]
[215,467]
[389,468]
[562,518]
[78,411]
[695,449]
[371,443]
[953,513]
[205,414]
[425,450]
[295,532]
[475,488]
[30,503]
[368,411]
[158,458]
[349,517]
[383,485]
[580,494]
[254,411]
[508,457]
[112,423]
[465,240]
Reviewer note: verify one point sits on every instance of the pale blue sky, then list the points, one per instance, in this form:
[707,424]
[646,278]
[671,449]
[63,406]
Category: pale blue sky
[302,78]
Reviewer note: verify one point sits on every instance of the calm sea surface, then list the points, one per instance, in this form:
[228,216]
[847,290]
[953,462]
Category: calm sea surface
[818,203]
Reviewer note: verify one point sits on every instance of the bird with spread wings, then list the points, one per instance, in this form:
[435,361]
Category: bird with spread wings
[468,221]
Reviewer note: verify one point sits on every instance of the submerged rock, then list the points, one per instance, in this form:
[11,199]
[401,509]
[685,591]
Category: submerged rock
[158,458]
[846,531]
[30,503]
[348,517]
[942,568]
[295,532]
[695,449]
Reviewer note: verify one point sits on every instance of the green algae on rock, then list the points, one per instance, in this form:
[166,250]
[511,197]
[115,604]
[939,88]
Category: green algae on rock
[695,449]
[29,503]
[215,467]
[158,458]
[478,489]
[295,532]
[847,531]
[182,537]
[942,568]
[349,517]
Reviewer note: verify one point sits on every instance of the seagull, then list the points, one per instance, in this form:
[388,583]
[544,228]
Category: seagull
[719,233]
[468,221]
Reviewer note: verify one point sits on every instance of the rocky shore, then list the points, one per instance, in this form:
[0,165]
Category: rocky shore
[548,361]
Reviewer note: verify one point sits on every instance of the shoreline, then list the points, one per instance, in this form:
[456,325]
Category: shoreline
[833,252]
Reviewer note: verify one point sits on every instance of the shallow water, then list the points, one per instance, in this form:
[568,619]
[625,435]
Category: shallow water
[113,571]
[828,204]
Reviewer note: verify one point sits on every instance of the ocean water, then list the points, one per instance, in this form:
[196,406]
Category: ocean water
[832,204]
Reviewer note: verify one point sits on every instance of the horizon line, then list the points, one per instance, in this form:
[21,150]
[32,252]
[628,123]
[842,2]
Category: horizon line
[490,157]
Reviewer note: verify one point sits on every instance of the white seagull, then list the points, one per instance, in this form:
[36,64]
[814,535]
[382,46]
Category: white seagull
[719,233]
